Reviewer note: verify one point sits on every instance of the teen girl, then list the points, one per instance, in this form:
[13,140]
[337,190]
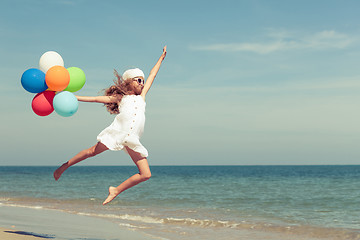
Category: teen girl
[126,99]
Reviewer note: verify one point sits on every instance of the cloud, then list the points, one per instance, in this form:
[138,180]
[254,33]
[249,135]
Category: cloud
[337,84]
[263,48]
[282,41]
[343,83]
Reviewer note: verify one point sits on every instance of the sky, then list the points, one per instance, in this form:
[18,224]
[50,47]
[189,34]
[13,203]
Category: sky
[243,83]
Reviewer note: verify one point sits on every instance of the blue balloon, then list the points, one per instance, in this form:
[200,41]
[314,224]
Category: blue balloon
[33,80]
[65,104]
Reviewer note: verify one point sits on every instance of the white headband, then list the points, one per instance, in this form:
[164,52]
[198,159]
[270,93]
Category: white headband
[131,73]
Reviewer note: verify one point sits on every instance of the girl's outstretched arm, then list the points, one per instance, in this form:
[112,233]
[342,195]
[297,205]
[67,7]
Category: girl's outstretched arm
[97,99]
[153,73]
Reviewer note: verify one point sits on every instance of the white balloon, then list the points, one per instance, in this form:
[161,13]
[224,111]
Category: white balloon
[50,59]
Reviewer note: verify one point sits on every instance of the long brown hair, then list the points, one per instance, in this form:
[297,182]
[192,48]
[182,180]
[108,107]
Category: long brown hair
[120,88]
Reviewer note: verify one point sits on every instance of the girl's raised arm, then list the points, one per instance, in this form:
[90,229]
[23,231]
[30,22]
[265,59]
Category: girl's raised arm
[153,73]
[97,99]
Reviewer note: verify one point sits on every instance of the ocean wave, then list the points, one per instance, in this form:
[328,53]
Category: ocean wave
[201,222]
[127,225]
[4,199]
[134,218]
[299,230]
[175,221]
[21,205]
[170,220]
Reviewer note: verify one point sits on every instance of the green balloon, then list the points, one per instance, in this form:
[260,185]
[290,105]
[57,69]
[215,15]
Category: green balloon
[77,79]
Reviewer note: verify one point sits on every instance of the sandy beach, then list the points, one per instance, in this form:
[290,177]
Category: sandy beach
[19,223]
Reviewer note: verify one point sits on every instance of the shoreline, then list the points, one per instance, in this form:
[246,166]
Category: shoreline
[34,223]
[20,223]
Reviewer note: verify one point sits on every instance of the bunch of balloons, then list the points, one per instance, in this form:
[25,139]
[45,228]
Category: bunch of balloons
[54,85]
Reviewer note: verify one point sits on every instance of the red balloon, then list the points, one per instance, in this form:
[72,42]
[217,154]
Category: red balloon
[42,103]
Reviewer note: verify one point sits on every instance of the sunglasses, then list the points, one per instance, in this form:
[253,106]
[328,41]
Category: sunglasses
[139,80]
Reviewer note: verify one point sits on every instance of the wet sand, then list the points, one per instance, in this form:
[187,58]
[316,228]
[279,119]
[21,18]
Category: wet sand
[18,223]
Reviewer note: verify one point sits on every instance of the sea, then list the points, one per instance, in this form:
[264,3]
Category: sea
[201,202]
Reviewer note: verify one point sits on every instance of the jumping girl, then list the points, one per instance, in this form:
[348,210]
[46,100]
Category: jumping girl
[126,99]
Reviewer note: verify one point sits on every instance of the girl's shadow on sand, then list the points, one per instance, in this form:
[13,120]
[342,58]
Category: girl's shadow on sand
[31,234]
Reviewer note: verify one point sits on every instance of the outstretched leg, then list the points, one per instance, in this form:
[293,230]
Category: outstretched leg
[143,175]
[84,154]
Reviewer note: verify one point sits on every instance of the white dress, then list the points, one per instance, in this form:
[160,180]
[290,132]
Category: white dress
[127,126]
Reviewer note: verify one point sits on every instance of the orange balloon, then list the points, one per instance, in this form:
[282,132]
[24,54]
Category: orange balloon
[57,78]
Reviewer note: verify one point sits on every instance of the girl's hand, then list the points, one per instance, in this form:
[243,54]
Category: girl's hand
[164,52]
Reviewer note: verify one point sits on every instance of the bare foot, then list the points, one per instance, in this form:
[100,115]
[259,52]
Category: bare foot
[113,192]
[59,171]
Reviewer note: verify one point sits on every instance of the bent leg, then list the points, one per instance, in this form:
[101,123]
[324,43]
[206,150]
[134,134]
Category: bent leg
[84,154]
[143,175]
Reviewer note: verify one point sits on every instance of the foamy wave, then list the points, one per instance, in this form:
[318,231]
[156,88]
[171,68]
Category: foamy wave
[201,222]
[178,221]
[21,205]
[127,225]
[301,230]
[141,219]
[134,218]
[308,231]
